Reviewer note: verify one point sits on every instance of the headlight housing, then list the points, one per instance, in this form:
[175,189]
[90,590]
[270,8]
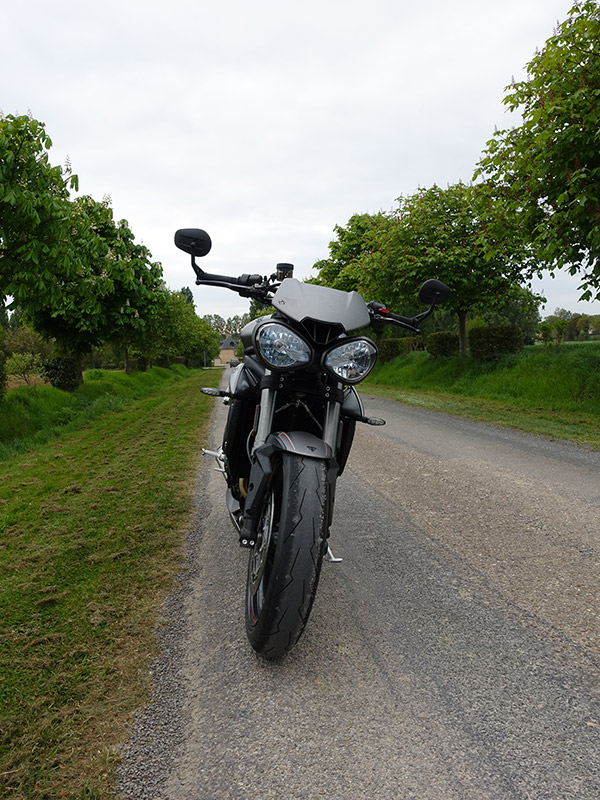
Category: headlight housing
[281,348]
[351,360]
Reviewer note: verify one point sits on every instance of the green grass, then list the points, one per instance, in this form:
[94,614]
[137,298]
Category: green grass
[91,527]
[31,415]
[93,509]
[554,392]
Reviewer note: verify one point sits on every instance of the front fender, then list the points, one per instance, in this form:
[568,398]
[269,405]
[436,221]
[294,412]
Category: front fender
[299,442]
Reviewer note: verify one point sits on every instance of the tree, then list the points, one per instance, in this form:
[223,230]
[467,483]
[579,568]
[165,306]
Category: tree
[544,176]
[77,276]
[24,366]
[37,249]
[258,309]
[230,326]
[24,340]
[350,249]
[236,323]
[217,323]
[435,233]
[187,293]
[174,331]
[113,291]
[520,308]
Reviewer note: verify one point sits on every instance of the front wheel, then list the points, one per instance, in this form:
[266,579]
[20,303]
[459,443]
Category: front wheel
[285,562]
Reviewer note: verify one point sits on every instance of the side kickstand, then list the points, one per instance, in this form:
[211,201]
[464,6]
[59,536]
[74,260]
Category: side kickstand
[331,557]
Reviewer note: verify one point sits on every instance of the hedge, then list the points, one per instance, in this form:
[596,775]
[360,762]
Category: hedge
[63,373]
[493,341]
[442,344]
[392,348]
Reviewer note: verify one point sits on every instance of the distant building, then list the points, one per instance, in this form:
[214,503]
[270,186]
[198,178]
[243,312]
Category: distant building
[226,350]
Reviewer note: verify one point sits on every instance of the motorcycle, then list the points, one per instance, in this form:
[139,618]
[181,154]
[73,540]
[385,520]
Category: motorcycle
[293,409]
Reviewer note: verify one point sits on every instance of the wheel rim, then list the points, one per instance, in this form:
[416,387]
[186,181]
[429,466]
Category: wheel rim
[261,558]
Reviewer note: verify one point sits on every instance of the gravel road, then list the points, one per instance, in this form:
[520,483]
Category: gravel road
[452,655]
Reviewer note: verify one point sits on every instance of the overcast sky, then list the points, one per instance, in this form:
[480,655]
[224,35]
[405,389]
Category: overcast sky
[267,123]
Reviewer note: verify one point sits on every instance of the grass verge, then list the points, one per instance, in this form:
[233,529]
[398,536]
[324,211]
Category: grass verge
[91,530]
[552,393]
[581,428]
[32,415]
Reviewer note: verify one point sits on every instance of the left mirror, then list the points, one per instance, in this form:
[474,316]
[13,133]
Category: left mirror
[194,241]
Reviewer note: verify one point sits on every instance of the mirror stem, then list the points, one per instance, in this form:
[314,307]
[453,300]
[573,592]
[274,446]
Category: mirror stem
[199,272]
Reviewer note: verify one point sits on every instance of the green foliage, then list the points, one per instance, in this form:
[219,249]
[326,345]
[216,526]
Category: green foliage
[435,233]
[493,341]
[257,309]
[543,177]
[2,375]
[23,339]
[554,328]
[563,380]
[37,249]
[443,344]
[24,365]
[175,331]
[349,252]
[392,348]
[4,319]
[232,326]
[545,331]
[114,291]
[217,323]
[78,276]
[187,293]
[520,307]
[62,373]
[571,326]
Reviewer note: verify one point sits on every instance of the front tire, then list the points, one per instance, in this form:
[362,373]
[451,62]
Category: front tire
[285,562]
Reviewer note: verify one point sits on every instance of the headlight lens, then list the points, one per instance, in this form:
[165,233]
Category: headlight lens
[281,348]
[352,360]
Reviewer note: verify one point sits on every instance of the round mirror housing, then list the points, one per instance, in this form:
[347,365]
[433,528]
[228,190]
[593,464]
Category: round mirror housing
[434,293]
[194,241]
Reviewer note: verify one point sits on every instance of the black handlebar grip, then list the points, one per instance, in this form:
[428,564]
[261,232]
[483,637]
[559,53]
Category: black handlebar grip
[249,280]
[220,278]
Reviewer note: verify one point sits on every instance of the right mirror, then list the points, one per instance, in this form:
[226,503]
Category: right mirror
[434,292]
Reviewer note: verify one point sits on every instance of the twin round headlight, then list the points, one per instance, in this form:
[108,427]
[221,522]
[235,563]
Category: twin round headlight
[281,348]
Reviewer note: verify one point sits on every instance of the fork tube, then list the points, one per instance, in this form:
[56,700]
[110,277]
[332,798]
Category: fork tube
[265,416]
[332,421]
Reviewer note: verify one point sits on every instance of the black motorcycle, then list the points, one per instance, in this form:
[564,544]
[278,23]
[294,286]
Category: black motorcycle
[292,414]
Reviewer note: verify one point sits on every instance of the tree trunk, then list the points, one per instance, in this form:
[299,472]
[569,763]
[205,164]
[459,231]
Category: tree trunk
[79,363]
[126,360]
[462,333]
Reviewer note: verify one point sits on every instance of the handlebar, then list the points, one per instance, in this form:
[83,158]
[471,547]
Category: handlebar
[197,242]
[381,315]
[432,292]
[226,280]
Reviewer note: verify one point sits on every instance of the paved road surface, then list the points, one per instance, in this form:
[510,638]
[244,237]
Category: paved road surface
[452,655]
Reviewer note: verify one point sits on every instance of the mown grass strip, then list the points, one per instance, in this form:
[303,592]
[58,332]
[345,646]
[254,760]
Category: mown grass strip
[32,415]
[91,527]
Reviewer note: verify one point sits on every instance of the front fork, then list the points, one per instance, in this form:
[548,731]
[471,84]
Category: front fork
[264,426]
[262,450]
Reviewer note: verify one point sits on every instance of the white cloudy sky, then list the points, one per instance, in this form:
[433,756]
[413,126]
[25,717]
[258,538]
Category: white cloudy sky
[267,122]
